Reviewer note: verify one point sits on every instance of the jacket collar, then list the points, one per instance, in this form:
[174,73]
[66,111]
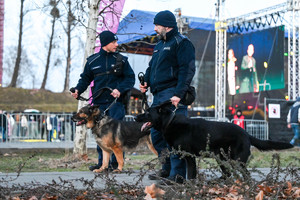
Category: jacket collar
[105,53]
[171,33]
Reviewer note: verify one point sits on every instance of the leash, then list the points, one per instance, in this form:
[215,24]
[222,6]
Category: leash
[171,119]
[110,106]
[101,90]
[141,77]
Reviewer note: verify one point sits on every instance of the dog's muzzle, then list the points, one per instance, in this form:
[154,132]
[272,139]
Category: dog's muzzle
[146,126]
[80,121]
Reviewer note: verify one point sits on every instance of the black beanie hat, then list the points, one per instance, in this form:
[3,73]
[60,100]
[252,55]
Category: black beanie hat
[107,37]
[165,18]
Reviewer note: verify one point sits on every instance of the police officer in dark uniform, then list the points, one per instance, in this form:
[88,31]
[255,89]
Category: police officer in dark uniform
[101,68]
[169,75]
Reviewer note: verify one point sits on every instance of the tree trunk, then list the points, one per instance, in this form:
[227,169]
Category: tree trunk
[49,55]
[14,78]
[80,137]
[68,67]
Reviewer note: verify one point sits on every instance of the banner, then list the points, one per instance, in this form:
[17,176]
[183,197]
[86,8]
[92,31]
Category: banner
[110,14]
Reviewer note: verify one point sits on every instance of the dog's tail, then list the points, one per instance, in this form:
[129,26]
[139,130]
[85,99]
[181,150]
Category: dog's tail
[266,145]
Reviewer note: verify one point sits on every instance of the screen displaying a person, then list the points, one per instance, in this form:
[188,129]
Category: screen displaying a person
[249,81]
[231,76]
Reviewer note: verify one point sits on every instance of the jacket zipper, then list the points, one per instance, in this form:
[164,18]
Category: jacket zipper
[158,60]
[106,71]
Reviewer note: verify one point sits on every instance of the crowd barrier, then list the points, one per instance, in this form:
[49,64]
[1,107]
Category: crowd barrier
[257,128]
[50,127]
[40,127]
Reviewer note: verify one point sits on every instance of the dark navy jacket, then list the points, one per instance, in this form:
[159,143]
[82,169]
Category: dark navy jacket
[294,113]
[100,63]
[172,64]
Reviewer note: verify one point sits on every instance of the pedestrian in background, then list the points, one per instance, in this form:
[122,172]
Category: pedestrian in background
[238,119]
[24,125]
[293,120]
[3,126]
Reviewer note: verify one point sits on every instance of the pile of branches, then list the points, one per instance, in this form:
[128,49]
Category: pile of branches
[279,183]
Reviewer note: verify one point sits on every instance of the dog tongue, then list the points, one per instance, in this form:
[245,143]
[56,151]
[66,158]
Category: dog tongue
[145,125]
[79,123]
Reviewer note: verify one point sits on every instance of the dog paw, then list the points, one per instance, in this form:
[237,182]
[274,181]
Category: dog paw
[97,170]
[100,170]
[117,171]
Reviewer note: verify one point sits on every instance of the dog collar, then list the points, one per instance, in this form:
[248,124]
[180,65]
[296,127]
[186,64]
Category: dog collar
[99,117]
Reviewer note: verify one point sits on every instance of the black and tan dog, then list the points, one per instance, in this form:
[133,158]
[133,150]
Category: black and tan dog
[112,135]
[195,135]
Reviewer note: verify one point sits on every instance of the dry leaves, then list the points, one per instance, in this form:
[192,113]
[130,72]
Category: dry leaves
[233,192]
[153,192]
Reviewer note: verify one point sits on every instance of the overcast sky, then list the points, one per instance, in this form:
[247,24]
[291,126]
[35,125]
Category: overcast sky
[35,28]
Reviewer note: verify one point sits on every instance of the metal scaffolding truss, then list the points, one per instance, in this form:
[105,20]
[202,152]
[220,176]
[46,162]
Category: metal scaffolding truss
[220,76]
[255,21]
[293,47]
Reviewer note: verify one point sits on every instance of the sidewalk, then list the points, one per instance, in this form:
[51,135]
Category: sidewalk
[15,146]
[43,178]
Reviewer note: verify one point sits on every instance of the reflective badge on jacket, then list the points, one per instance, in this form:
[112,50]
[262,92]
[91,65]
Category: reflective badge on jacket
[96,67]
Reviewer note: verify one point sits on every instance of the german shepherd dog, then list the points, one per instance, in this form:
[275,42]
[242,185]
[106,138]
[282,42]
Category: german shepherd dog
[112,135]
[195,135]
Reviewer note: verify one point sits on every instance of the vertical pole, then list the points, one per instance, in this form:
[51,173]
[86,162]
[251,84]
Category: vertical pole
[220,66]
[1,39]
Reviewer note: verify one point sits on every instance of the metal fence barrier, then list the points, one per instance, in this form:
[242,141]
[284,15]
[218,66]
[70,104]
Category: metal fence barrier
[212,119]
[257,128]
[40,127]
[26,127]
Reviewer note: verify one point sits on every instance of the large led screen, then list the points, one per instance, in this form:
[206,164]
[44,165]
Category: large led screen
[255,61]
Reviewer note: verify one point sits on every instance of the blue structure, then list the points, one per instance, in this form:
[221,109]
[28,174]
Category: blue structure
[138,24]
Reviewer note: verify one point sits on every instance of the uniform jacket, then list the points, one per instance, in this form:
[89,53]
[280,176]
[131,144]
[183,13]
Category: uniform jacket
[172,64]
[294,114]
[100,63]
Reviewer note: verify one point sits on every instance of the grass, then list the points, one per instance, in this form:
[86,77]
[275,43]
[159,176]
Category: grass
[65,161]
[18,99]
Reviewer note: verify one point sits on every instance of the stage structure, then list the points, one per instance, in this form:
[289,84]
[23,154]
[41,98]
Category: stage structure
[220,62]
[284,14]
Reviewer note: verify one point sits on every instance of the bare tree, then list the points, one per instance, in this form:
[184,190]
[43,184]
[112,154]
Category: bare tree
[15,75]
[80,137]
[71,23]
[26,68]
[55,15]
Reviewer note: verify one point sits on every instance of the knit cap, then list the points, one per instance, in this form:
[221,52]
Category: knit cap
[107,37]
[165,18]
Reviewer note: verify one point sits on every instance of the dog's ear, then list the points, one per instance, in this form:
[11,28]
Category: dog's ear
[93,108]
